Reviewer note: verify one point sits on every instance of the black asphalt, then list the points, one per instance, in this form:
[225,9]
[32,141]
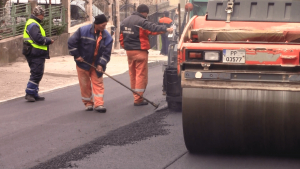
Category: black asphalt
[58,133]
[37,133]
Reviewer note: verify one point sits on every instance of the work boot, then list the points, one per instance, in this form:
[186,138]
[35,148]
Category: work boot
[143,103]
[39,98]
[100,109]
[89,108]
[30,98]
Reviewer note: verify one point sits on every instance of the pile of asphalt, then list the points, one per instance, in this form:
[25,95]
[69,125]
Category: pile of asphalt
[145,128]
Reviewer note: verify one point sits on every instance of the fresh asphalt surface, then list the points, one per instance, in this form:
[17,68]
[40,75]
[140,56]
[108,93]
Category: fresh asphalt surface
[58,133]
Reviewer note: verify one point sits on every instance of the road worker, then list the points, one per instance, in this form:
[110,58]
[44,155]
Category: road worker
[36,50]
[92,44]
[164,37]
[134,32]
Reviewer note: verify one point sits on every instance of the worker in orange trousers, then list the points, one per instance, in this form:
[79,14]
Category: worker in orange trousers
[92,44]
[164,37]
[134,32]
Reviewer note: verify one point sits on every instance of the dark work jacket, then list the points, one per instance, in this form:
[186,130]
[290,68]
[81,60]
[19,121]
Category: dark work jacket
[34,33]
[134,32]
[83,43]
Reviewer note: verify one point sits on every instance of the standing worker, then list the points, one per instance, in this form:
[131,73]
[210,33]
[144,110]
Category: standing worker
[36,50]
[135,30]
[92,44]
[164,37]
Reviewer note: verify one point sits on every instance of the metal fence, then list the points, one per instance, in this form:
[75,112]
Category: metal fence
[13,19]
[126,10]
[54,21]
[153,38]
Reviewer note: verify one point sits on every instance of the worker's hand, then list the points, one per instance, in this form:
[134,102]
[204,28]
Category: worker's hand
[170,30]
[99,68]
[52,41]
[79,59]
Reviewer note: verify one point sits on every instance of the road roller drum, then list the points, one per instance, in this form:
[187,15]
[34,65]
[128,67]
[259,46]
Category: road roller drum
[241,121]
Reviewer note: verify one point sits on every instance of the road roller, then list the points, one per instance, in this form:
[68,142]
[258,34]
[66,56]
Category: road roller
[239,78]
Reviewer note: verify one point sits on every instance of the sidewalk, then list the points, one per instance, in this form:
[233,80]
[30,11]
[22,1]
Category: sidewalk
[60,72]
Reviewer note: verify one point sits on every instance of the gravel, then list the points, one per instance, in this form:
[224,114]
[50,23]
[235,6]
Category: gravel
[150,126]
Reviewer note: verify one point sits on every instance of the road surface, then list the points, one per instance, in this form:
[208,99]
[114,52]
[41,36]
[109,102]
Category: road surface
[58,133]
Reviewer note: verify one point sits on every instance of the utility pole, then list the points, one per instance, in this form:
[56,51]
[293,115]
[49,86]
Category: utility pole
[158,41]
[156,6]
[110,25]
[110,11]
[33,4]
[182,9]
[66,4]
[137,3]
[117,26]
[89,10]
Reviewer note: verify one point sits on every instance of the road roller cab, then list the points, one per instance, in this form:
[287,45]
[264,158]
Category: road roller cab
[240,80]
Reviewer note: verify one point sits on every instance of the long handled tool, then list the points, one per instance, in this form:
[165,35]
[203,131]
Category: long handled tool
[153,104]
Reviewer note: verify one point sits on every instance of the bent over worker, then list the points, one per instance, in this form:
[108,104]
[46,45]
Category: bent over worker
[35,49]
[134,32]
[92,44]
[164,37]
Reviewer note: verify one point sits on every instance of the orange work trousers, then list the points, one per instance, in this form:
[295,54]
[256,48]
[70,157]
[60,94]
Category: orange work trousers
[138,72]
[88,81]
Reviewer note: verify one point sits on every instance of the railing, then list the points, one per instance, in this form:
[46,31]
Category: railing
[54,21]
[13,19]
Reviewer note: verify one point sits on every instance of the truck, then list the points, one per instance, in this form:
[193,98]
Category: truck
[238,73]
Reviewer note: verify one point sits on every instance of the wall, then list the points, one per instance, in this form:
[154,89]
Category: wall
[60,46]
[11,48]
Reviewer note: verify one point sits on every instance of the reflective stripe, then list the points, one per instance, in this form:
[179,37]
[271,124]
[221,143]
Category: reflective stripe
[87,99]
[104,59]
[45,42]
[25,39]
[73,49]
[88,38]
[98,95]
[139,90]
[33,82]
[30,89]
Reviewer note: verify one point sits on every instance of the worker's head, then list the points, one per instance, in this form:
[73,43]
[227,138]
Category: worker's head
[166,13]
[39,12]
[100,22]
[143,9]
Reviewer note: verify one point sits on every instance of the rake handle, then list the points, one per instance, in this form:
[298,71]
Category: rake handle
[153,104]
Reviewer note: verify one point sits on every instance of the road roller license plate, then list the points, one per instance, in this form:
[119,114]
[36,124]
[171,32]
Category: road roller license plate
[233,56]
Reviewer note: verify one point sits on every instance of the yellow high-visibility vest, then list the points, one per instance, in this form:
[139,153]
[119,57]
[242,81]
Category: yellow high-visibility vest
[26,37]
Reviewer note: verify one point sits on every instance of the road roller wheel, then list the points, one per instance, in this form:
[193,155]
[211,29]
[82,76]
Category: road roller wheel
[175,106]
[241,121]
